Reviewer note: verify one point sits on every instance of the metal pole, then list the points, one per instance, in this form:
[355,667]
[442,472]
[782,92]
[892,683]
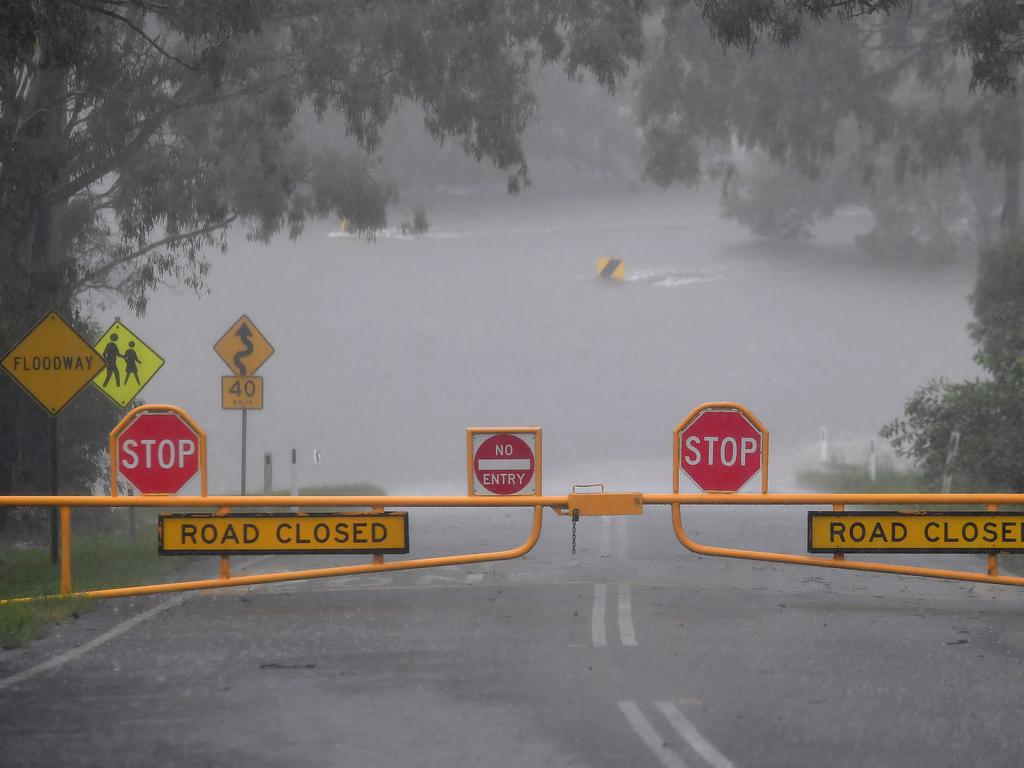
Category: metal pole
[295,478]
[245,413]
[65,550]
[131,516]
[54,485]
[268,473]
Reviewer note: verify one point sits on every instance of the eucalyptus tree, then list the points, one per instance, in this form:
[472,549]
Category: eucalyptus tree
[135,133]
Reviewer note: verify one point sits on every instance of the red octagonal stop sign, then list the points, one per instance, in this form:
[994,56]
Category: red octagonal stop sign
[158,452]
[720,449]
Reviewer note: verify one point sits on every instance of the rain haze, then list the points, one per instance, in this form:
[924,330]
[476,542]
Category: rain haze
[385,351]
[641,383]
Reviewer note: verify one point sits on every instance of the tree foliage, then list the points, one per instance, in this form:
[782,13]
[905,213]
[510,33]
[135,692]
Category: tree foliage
[987,413]
[133,133]
[874,109]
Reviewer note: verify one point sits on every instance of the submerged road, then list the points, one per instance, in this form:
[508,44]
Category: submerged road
[635,653]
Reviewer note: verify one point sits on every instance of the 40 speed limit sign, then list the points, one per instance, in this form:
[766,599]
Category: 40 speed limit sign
[241,393]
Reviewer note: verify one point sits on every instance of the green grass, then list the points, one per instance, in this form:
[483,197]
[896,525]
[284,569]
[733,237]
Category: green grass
[97,561]
[839,477]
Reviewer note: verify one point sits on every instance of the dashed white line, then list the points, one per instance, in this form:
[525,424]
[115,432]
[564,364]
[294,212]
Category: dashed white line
[626,633]
[692,736]
[597,616]
[643,728]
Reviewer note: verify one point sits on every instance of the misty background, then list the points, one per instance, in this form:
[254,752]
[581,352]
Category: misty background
[387,349]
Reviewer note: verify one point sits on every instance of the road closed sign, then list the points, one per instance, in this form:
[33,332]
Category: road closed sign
[504,461]
[284,534]
[719,448]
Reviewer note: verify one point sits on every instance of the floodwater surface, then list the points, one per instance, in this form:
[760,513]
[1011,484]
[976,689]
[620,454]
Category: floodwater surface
[386,351]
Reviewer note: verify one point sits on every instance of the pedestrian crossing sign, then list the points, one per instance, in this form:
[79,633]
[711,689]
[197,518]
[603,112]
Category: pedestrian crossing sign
[130,364]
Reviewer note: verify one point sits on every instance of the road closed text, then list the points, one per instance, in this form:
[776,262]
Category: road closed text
[315,533]
[914,533]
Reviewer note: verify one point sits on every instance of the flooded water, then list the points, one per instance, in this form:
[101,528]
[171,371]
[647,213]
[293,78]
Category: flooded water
[387,351]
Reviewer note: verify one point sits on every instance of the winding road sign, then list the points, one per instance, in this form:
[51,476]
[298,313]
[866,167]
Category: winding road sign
[52,363]
[243,348]
[130,364]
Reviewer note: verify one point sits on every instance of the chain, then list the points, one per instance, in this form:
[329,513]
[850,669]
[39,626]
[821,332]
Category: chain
[575,519]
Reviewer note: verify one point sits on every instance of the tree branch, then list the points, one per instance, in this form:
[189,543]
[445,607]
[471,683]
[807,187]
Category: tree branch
[95,277]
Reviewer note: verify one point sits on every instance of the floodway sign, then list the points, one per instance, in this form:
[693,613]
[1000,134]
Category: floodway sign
[52,363]
[284,534]
[720,447]
[243,348]
[504,461]
[914,533]
[130,364]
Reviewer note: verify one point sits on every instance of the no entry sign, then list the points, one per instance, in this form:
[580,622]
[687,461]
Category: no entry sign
[503,462]
[720,447]
[157,450]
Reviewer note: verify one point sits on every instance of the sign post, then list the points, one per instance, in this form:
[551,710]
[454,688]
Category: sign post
[243,349]
[52,363]
[503,461]
[720,448]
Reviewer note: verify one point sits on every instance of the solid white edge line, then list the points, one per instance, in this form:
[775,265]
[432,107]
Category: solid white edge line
[626,632]
[692,736]
[63,658]
[597,629]
[643,728]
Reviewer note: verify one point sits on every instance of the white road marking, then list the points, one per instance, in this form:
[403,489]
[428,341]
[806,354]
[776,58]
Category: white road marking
[643,728]
[626,633]
[597,617]
[692,736]
[606,537]
[63,658]
[116,631]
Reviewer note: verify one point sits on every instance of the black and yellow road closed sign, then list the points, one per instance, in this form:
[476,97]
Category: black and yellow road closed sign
[284,534]
[897,532]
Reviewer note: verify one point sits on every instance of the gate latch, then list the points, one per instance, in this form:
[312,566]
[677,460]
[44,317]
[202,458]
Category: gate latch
[605,504]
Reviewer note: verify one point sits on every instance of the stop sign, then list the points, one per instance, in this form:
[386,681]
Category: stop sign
[720,449]
[158,452]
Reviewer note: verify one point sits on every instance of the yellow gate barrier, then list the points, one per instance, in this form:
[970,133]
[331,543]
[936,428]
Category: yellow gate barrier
[224,504]
[598,504]
[838,503]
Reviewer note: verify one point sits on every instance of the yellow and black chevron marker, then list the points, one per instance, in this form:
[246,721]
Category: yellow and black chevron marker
[611,268]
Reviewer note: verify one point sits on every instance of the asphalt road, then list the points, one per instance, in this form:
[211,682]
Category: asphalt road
[636,653]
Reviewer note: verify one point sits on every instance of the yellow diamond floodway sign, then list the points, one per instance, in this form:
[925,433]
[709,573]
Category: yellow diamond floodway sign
[130,364]
[52,363]
[243,347]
